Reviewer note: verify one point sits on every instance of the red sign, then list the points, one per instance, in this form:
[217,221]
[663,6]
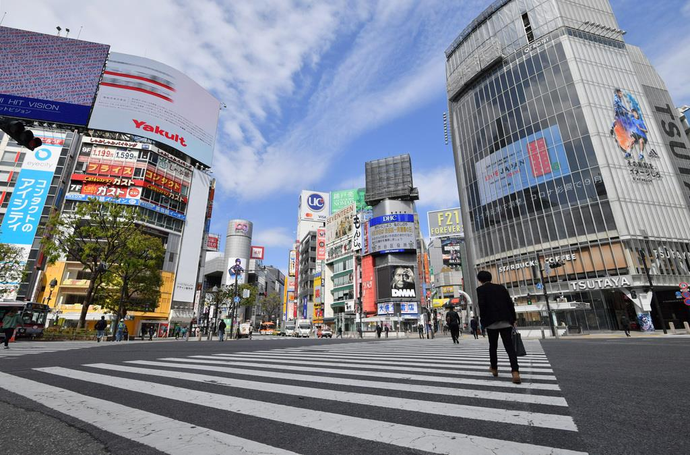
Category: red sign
[539,157]
[321,244]
[162,181]
[368,285]
[257,252]
[94,167]
[97,189]
[213,242]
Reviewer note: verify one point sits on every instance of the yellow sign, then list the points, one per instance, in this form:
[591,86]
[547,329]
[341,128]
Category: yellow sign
[445,223]
[447,290]
[438,303]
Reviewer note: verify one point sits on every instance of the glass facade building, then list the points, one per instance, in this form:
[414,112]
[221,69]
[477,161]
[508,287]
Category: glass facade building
[566,151]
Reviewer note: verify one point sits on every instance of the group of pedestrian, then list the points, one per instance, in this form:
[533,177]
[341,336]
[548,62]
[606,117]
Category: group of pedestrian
[379,329]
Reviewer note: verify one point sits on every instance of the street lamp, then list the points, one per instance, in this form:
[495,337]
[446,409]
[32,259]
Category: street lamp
[52,285]
[554,265]
[236,269]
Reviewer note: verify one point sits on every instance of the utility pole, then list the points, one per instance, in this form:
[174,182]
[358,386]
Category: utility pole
[554,331]
[655,302]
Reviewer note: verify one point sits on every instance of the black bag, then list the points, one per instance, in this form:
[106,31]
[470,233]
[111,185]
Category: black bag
[518,344]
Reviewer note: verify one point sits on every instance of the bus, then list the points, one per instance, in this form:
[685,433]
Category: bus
[267,328]
[34,316]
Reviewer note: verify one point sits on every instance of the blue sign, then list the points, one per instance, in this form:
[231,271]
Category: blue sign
[397,218]
[25,207]
[316,202]
[540,286]
[126,201]
[236,299]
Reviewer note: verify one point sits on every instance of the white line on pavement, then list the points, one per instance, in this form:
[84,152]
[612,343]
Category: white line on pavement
[424,439]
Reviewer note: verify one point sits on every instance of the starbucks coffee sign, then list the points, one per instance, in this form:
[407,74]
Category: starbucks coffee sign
[609,282]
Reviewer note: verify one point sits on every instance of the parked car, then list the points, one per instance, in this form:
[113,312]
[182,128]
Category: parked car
[325,332]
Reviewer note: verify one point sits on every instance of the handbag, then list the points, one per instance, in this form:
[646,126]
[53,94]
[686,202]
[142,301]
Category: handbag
[518,344]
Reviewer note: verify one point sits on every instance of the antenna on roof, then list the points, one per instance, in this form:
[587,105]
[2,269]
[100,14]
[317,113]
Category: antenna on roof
[3,17]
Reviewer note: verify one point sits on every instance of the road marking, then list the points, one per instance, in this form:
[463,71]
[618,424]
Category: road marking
[424,439]
[378,365]
[368,373]
[162,433]
[439,390]
[535,419]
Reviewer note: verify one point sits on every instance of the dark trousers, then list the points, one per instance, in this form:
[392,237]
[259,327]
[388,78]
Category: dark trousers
[474,332]
[8,334]
[627,330]
[506,336]
[454,331]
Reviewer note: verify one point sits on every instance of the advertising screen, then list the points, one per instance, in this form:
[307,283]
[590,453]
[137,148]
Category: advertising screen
[537,158]
[396,282]
[391,233]
[149,99]
[450,251]
[445,222]
[64,75]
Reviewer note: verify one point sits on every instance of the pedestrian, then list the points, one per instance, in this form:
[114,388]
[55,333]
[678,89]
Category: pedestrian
[125,334]
[250,331]
[339,333]
[625,322]
[221,330]
[497,311]
[379,329]
[100,329]
[474,325]
[10,322]
[386,330]
[183,333]
[120,331]
[176,332]
[152,330]
[420,328]
[453,321]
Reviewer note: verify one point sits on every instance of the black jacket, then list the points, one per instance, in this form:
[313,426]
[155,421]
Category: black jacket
[453,318]
[221,326]
[495,304]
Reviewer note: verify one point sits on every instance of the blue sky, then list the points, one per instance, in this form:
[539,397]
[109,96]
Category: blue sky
[314,89]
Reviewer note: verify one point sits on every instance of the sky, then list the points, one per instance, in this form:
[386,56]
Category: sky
[314,89]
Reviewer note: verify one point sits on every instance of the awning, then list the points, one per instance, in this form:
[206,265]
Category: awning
[555,306]
[183,316]
[74,316]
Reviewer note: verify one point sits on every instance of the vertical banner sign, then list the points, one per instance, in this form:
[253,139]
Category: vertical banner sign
[24,210]
[285,299]
[357,235]
[321,244]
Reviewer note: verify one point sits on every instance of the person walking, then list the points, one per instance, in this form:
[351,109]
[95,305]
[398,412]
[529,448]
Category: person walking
[453,321]
[100,329]
[183,333]
[120,331]
[386,330]
[379,329]
[10,322]
[221,330]
[625,322]
[152,330]
[339,332]
[420,328]
[497,312]
[474,325]
[251,329]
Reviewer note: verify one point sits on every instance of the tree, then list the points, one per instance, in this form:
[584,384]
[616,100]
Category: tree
[94,235]
[133,283]
[271,305]
[253,291]
[12,264]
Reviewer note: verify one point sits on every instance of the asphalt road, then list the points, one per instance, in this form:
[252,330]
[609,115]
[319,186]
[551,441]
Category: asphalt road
[625,396]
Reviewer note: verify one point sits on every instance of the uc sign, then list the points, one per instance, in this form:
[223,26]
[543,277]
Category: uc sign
[316,202]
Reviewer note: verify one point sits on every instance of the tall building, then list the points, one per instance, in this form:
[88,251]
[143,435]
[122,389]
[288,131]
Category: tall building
[568,149]
[308,266]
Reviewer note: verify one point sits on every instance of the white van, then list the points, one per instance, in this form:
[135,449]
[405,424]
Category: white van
[303,329]
[290,329]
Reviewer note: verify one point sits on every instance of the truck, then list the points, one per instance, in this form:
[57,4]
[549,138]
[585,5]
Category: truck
[303,329]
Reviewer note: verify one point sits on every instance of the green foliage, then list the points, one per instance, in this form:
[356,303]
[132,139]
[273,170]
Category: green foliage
[95,236]
[12,265]
[253,292]
[271,305]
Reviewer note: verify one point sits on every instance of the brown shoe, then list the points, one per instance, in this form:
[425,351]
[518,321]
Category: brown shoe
[494,371]
[516,378]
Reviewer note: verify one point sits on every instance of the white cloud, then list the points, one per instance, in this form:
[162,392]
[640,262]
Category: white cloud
[674,65]
[273,237]
[438,188]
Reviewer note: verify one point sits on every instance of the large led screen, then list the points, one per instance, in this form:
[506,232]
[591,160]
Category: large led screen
[532,160]
[149,99]
[48,78]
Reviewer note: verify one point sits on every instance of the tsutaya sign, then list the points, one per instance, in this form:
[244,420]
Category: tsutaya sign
[610,282]
[534,262]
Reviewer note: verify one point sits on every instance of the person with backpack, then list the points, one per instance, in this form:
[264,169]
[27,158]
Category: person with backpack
[10,322]
[120,331]
[221,330]
[100,329]
[453,321]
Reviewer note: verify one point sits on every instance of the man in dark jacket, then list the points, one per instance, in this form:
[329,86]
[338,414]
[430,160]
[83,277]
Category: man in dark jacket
[453,321]
[221,330]
[474,326]
[497,312]
[625,322]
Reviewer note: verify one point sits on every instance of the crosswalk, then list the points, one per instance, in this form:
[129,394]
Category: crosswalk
[23,348]
[396,396]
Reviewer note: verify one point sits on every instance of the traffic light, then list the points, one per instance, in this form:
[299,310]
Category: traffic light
[16,130]
[633,294]
[529,299]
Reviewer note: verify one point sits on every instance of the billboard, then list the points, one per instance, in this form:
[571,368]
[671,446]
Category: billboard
[213,242]
[63,72]
[28,199]
[236,271]
[292,263]
[146,98]
[534,159]
[314,206]
[368,285]
[343,198]
[321,244]
[450,252]
[257,252]
[391,233]
[192,239]
[396,282]
[405,308]
[446,222]
[339,226]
